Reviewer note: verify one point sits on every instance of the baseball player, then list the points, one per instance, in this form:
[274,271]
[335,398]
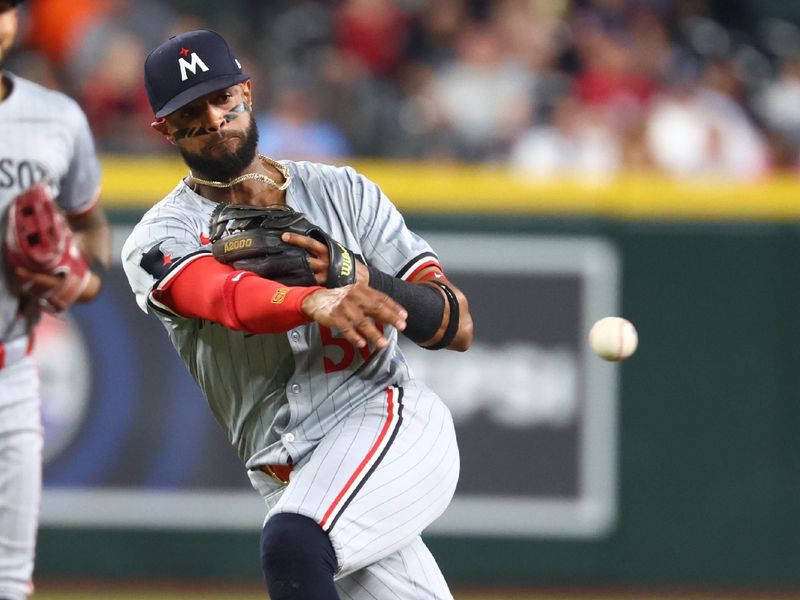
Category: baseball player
[46,151]
[353,456]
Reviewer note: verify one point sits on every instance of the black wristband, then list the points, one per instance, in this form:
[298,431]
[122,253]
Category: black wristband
[378,280]
[424,304]
[452,321]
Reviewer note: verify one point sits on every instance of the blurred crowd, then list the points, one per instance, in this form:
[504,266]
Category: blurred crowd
[579,88]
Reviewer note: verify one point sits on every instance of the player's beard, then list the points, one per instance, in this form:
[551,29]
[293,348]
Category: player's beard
[232,165]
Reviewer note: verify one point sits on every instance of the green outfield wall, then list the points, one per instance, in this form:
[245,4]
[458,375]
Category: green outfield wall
[708,451]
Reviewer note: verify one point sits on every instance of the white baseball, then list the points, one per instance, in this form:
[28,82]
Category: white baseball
[613,338]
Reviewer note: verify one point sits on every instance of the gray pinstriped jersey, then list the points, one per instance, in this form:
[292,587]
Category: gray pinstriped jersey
[278,395]
[44,137]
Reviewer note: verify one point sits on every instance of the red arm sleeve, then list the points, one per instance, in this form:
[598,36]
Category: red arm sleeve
[239,300]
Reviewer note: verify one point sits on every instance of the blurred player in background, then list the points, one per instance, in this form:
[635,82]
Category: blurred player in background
[44,139]
[353,456]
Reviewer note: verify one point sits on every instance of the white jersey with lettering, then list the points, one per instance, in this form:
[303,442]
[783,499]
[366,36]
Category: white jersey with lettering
[44,137]
[374,452]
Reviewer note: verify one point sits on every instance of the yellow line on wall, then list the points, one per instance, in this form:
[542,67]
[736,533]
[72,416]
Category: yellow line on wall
[139,182]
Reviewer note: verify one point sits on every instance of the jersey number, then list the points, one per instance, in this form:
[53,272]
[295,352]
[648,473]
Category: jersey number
[345,348]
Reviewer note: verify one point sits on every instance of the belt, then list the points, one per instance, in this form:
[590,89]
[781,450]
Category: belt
[279,473]
[15,350]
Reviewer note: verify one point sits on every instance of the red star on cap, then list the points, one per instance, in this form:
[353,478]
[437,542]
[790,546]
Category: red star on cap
[184,51]
[167,260]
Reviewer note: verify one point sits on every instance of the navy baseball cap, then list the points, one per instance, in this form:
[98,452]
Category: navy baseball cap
[188,66]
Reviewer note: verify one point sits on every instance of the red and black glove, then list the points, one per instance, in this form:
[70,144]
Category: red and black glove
[38,239]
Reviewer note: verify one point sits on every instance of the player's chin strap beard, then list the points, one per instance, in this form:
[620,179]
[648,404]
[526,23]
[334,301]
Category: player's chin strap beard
[251,176]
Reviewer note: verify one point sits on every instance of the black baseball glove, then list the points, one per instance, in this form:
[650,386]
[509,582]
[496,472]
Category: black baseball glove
[249,238]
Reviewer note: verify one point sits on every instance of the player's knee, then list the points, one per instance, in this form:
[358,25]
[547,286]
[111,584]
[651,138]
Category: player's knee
[296,542]
[287,533]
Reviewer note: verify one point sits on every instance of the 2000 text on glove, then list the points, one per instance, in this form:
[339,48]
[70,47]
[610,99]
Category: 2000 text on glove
[249,238]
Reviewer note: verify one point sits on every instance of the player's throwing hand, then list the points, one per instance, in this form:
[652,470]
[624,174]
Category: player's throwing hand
[353,310]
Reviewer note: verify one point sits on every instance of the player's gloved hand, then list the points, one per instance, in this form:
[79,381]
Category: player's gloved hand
[319,258]
[250,238]
[54,287]
[354,311]
[42,251]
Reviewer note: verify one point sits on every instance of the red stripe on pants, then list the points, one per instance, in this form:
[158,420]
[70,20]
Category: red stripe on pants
[367,458]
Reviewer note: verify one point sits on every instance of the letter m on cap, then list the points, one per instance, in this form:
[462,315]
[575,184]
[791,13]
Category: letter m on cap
[191,66]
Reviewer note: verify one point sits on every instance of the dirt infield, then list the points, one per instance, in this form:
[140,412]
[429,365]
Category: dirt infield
[177,591]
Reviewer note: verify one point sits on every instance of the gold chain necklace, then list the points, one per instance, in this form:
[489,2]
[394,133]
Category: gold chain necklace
[248,176]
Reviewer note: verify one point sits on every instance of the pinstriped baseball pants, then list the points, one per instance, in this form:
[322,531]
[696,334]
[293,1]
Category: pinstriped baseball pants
[21,442]
[381,476]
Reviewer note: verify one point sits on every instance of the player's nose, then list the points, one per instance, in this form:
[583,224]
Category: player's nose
[214,118]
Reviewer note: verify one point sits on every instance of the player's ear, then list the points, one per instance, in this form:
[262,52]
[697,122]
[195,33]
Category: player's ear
[247,93]
[160,125]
